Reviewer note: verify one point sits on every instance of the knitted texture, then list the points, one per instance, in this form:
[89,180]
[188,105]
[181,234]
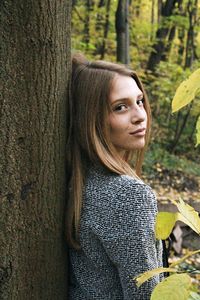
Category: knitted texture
[117,239]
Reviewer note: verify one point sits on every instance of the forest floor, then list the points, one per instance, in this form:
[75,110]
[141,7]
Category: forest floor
[171,185]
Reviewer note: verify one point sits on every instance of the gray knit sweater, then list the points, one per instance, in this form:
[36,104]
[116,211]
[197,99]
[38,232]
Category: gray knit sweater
[117,239]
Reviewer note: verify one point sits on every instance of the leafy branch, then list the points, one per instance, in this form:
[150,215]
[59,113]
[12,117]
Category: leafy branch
[186,93]
[177,286]
[179,282]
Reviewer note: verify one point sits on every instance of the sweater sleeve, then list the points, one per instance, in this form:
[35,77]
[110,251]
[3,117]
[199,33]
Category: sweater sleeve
[126,230]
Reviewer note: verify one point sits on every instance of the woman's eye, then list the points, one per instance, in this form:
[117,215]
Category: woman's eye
[140,102]
[120,107]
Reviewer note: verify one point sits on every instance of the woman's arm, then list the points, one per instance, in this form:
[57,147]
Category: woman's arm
[127,235]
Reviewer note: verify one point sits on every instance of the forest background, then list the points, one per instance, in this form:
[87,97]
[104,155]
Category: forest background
[160,40]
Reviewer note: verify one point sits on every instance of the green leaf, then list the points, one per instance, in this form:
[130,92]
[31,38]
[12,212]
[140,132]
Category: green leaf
[165,222]
[174,287]
[140,279]
[194,296]
[188,215]
[186,91]
[198,131]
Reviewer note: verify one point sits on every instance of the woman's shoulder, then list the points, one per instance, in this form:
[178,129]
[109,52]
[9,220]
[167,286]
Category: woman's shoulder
[103,183]
[116,199]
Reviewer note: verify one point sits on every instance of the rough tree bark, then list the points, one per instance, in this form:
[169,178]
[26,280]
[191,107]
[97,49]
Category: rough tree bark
[35,53]
[122,31]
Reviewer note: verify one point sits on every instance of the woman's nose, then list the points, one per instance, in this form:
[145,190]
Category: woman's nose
[138,115]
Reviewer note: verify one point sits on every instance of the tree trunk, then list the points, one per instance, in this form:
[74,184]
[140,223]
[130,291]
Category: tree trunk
[181,36]
[159,10]
[138,5]
[99,19]
[89,7]
[106,28]
[169,43]
[159,47]
[35,52]
[122,30]
[86,37]
[152,18]
[190,47]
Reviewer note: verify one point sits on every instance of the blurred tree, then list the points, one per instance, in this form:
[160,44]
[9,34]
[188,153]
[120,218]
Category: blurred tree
[103,26]
[159,10]
[159,48]
[122,31]
[106,28]
[88,8]
[35,65]
[99,20]
[183,116]
[192,8]
[181,35]
[152,18]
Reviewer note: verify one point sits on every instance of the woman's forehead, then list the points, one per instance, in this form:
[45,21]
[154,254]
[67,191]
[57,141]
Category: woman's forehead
[124,87]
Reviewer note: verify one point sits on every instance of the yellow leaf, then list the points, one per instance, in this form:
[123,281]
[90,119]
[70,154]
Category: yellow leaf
[140,279]
[183,258]
[198,131]
[165,222]
[186,91]
[188,215]
[174,287]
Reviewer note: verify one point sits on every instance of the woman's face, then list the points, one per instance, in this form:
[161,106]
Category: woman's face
[128,118]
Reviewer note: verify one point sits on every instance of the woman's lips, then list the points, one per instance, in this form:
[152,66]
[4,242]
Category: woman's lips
[139,132]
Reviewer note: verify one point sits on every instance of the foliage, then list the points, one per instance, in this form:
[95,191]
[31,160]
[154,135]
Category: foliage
[165,125]
[194,296]
[165,220]
[174,287]
[185,93]
[181,282]
[158,157]
[140,279]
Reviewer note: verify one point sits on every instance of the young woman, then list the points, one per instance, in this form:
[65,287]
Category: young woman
[111,211]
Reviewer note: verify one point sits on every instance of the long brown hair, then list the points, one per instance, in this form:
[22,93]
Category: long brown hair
[88,138]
